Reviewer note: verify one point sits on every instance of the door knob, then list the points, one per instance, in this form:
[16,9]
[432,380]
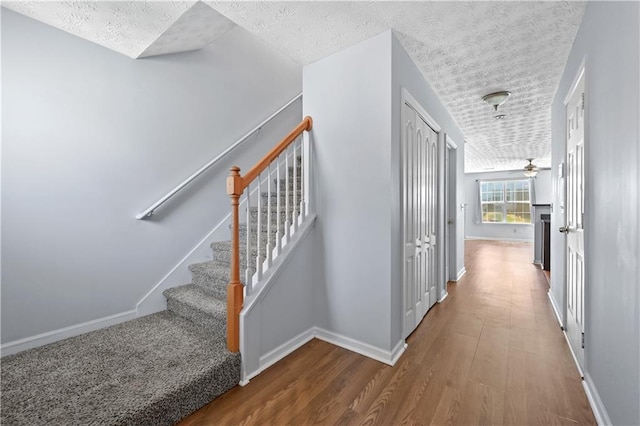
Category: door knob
[564,229]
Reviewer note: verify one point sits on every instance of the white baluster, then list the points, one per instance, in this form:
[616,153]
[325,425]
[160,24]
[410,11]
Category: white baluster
[247,274]
[259,231]
[303,195]
[269,246]
[278,209]
[287,223]
[295,188]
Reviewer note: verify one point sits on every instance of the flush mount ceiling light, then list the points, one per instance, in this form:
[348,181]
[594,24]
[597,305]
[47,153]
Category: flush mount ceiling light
[530,170]
[496,99]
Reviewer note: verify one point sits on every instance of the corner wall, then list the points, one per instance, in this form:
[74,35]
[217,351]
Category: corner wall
[407,75]
[90,138]
[348,95]
[609,43]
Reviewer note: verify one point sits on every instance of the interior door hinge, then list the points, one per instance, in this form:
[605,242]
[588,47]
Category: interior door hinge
[583,340]
[583,101]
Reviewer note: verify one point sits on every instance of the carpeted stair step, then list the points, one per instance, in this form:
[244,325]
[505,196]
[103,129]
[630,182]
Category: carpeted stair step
[283,184]
[264,214]
[193,303]
[211,277]
[154,370]
[222,253]
[264,231]
[282,194]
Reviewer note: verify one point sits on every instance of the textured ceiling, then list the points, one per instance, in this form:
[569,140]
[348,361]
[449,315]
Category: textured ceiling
[133,28]
[464,49]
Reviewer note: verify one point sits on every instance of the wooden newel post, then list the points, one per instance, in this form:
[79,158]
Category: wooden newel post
[235,289]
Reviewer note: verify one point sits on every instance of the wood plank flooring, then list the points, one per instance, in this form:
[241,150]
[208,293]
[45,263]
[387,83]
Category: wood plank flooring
[491,354]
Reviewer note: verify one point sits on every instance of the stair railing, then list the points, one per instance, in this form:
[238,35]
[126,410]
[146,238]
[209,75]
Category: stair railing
[149,211]
[286,158]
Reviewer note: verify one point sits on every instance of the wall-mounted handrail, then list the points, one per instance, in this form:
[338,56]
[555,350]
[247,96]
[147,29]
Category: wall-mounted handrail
[236,185]
[148,212]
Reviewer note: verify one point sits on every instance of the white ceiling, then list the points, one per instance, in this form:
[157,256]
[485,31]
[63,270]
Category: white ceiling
[134,28]
[464,49]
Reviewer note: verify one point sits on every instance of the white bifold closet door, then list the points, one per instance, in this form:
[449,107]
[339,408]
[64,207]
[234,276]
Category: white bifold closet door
[419,198]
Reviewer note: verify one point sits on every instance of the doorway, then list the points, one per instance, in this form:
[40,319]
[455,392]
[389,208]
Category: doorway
[450,202]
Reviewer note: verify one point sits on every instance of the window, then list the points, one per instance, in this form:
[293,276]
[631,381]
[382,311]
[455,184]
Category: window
[505,201]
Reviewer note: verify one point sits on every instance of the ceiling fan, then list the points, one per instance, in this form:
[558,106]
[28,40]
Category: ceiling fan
[530,170]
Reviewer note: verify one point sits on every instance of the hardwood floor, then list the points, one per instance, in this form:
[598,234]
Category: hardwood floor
[492,353]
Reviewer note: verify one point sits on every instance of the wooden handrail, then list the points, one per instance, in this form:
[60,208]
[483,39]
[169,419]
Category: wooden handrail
[259,167]
[236,184]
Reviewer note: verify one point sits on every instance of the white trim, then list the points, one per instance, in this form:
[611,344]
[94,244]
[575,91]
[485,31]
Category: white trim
[275,355]
[461,273]
[450,143]
[365,349]
[597,406]
[511,240]
[20,345]
[260,290]
[443,297]
[408,99]
[576,80]
[556,310]
[573,354]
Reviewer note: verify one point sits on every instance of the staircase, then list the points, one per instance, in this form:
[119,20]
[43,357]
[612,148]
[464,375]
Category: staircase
[154,370]
[204,301]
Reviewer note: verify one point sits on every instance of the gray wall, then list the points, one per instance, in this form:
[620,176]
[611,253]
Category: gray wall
[91,137]
[406,75]
[354,97]
[348,94]
[609,41]
[500,231]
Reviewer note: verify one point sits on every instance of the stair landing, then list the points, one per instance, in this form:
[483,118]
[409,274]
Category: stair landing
[153,370]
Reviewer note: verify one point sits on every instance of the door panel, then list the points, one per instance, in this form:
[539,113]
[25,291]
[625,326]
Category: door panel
[419,158]
[575,218]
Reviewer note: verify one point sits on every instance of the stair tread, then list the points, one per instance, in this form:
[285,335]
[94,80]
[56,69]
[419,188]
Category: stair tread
[194,296]
[153,370]
[210,268]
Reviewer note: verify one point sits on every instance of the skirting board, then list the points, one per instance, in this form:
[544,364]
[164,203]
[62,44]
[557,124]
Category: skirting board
[443,297]
[461,273]
[271,357]
[602,418]
[20,345]
[573,354]
[365,349]
[556,310]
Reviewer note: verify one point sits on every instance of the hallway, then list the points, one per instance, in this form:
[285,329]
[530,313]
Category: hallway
[491,353]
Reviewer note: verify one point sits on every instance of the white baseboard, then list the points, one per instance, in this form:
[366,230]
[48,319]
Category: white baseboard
[556,309]
[365,349]
[597,406]
[271,357]
[573,354]
[277,354]
[443,297]
[511,240]
[20,345]
[461,273]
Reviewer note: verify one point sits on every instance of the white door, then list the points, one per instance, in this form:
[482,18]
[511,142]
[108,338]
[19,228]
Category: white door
[419,159]
[574,228]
